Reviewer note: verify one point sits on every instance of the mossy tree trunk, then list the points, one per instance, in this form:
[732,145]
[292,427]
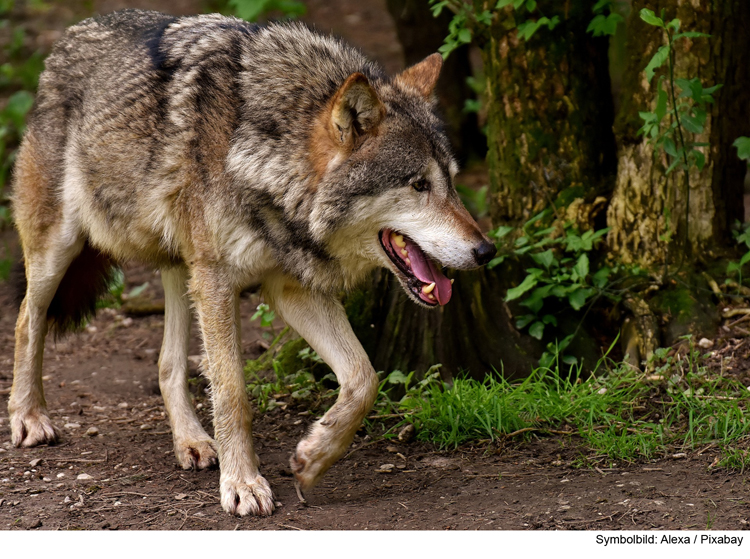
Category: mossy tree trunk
[648,209]
[550,115]
[421,35]
[550,140]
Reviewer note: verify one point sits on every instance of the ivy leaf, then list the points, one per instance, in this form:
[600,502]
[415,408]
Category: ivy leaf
[649,17]
[537,330]
[657,61]
[743,147]
[515,292]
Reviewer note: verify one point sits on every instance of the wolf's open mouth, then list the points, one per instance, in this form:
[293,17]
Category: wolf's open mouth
[423,276]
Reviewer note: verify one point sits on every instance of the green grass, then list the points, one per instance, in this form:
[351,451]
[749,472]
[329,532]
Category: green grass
[615,413]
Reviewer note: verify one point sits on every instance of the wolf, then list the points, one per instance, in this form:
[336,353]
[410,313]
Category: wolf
[229,155]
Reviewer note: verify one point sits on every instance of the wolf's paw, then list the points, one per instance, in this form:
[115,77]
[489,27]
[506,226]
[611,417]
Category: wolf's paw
[308,465]
[196,454]
[32,429]
[252,496]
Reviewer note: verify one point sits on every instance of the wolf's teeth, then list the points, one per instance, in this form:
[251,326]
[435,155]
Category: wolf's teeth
[452,280]
[399,240]
[427,289]
[431,297]
[404,252]
[408,262]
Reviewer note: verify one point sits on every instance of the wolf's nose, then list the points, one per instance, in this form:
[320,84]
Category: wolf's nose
[484,252]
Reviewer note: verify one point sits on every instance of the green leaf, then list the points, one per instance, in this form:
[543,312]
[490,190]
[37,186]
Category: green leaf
[545,258]
[537,330]
[669,147]
[657,61]
[745,259]
[19,104]
[700,159]
[535,301]
[604,25]
[464,35]
[649,17]
[496,261]
[743,147]
[136,291]
[601,277]
[674,24]
[525,320]
[690,35]
[515,292]
[692,124]
[549,319]
[502,3]
[531,5]
[582,266]
[600,5]
[578,298]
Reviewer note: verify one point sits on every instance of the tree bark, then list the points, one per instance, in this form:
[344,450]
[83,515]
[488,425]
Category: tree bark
[550,114]
[648,208]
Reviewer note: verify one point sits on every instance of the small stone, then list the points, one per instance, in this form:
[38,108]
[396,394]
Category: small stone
[122,405]
[30,523]
[145,427]
[66,500]
[92,432]
[46,479]
[705,343]
[60,475]
[72,425]
[391,449]
[35,462]
[84,477]
[180,496]
[385,469]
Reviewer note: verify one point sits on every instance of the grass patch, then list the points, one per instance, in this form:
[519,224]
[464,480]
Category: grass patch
[617,413]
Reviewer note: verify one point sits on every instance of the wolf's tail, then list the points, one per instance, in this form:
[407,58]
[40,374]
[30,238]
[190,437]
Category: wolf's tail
[87,278]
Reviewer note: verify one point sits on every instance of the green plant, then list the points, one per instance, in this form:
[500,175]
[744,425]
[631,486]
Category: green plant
[687,111]
[252,10]
[559,268]
[475,200]
[116,296]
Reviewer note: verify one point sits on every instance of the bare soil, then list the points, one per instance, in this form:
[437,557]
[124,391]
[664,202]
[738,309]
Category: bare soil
[125,475]
[105,378]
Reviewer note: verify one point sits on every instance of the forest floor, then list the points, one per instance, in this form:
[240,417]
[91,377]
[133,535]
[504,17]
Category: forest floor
[115,469]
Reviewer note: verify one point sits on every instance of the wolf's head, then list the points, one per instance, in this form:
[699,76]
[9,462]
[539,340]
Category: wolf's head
[386,172]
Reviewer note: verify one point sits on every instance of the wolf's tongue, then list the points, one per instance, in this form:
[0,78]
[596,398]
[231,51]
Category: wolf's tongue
[426,271]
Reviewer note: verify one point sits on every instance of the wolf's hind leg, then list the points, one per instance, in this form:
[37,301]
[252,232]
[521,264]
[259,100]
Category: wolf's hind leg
[322,321]
[46,265]
[193,447]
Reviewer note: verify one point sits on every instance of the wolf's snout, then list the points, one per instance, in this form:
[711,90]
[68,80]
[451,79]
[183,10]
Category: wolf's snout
[484,252]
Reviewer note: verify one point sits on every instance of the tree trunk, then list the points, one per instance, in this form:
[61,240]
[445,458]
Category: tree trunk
[648,208]
[421,35]
[550,115]
[550,140]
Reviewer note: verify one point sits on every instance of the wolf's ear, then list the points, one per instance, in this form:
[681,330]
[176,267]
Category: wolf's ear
[423,76]
[356,110]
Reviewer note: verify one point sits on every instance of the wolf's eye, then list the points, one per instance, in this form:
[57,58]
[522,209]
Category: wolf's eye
[422,185]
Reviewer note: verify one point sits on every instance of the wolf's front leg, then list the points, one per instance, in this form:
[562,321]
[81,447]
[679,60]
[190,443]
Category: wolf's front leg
[321,320]
[243,489]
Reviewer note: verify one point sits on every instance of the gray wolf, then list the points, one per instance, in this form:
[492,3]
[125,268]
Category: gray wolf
[228,155]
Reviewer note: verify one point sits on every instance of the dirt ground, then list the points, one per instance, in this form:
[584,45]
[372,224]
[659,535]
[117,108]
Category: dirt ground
[115,469]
